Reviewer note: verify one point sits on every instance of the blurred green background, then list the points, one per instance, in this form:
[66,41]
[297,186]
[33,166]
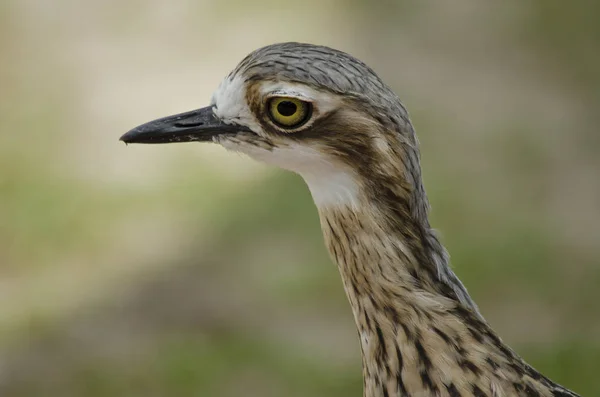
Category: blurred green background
[182,270]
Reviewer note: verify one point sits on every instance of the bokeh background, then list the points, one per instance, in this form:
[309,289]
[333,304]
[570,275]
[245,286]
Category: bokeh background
[182,270]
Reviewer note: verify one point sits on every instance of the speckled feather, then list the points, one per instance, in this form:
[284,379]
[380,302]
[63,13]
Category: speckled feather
[420,333]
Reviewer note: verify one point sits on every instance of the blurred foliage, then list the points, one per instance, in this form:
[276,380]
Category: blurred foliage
[570,34]
[179,274]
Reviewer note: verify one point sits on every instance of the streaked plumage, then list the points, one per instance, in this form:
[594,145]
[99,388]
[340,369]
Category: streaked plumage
[420,332]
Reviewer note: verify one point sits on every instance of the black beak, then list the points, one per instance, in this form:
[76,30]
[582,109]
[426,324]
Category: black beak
[197,125]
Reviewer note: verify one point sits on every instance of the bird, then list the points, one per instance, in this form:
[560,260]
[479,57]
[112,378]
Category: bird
[327,116]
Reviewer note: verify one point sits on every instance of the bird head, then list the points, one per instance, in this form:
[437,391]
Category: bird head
[310,109]
[327,116]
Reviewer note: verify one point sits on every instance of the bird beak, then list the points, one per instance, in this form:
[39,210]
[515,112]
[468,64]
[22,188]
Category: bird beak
[197,125]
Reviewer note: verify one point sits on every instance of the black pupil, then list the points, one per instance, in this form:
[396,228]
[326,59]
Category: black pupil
[286,108]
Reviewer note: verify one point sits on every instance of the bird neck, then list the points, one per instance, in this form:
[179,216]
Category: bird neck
[381,246]
[420,333]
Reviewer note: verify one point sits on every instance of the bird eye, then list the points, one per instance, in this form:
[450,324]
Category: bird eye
[289,112]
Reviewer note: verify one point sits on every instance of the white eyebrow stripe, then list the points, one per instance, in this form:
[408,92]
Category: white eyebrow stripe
[324,101]
[290,94]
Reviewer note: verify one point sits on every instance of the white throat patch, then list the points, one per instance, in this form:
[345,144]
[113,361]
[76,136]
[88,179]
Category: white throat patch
[331,185]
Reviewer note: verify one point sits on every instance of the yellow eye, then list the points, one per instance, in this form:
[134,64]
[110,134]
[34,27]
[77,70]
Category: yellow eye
[289,112]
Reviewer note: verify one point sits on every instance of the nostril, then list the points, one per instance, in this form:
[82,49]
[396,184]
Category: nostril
[183,124]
